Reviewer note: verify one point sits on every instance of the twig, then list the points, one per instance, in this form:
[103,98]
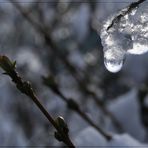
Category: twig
[124,12]
[73,105]
[25,87]
[69,66]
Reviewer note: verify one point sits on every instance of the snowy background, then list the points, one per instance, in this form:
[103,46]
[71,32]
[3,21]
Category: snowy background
[73,25]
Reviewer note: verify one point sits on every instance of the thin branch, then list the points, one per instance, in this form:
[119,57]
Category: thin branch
[69,66]
[124,12]
[73,105]
[26,88]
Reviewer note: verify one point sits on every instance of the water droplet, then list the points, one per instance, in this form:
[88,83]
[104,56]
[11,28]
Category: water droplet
[114,59]
[113,65]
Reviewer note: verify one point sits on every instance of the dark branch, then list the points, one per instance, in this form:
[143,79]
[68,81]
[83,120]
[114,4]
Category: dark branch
[25,87]
[70,67]
[73,105]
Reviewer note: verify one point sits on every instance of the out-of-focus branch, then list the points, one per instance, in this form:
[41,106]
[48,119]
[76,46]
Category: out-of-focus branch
[25,87]
[49,42]
[124,12]
[73,105]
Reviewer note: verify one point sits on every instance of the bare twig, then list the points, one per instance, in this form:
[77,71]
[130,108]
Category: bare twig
[25,87]
[73,105]
[69,66]
[124,12]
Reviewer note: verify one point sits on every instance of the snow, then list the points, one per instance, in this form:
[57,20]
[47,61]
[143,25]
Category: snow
[91,138]
[129,35]
[126,110]
[124,141]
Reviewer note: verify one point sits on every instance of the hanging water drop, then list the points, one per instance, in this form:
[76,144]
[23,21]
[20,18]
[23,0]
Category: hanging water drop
[114,59]
[113,65]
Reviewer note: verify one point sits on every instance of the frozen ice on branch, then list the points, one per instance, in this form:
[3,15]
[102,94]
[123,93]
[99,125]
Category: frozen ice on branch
[125,33]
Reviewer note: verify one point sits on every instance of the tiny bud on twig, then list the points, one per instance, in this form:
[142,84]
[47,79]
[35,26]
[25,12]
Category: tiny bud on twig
[25,87]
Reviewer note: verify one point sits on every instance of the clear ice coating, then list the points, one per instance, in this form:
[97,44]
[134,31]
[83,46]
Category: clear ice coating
[129,35]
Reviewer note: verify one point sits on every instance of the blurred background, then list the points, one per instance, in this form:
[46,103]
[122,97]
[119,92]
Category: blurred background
[62,38]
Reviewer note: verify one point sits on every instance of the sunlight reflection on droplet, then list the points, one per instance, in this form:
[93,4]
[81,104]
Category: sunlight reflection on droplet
[113,59]
[113,66]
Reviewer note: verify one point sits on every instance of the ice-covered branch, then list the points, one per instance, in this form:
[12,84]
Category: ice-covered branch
[124,12]
[125,33]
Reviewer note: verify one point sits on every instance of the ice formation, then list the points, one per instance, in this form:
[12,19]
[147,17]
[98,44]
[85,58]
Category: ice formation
[127,35]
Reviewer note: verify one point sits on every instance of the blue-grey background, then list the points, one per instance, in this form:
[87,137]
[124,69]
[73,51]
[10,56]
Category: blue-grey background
[74,26]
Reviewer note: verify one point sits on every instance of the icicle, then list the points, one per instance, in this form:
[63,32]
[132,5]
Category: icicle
[127,35]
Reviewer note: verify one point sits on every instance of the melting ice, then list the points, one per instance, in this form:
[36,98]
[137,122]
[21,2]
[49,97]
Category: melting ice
[129,35]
